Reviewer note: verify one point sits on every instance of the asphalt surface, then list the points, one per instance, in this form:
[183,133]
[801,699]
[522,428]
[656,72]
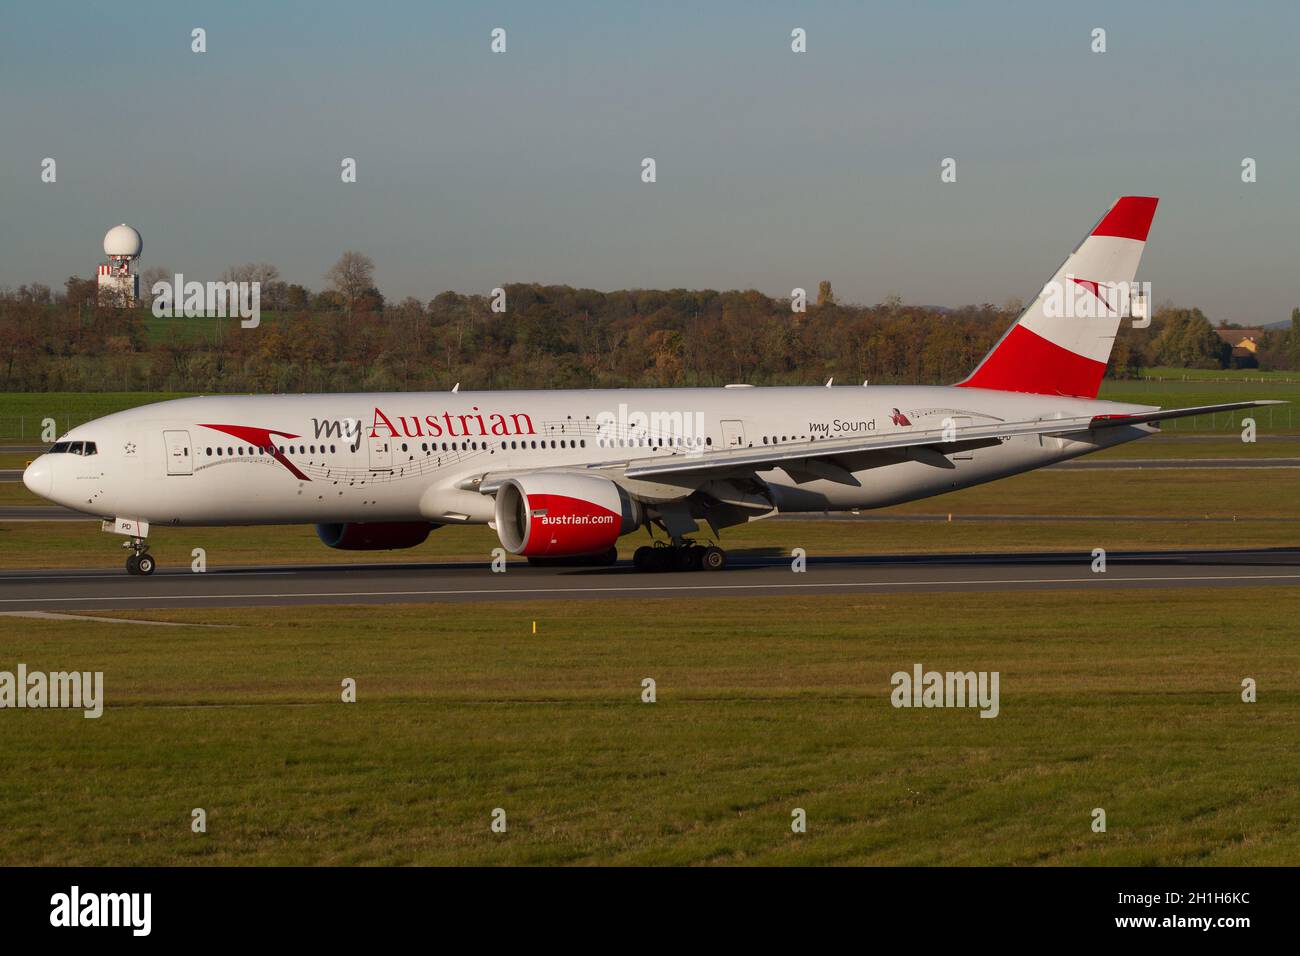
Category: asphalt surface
[748,575]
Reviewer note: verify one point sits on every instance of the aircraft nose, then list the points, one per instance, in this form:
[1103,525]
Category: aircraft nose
[39,477]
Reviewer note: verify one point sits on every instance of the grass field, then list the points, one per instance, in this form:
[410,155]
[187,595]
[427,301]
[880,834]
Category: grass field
[764,705]
[1181,388]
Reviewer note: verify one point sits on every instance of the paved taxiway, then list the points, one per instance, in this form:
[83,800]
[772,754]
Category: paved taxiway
[749,575]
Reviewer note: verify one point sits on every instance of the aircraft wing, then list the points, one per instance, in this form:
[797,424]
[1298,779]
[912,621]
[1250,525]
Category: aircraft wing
[834,459]
[822,458]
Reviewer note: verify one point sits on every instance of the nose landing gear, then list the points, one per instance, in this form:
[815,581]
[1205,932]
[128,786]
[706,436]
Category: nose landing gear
[139,561]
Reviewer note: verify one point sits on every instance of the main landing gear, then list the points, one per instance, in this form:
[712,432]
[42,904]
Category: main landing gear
[139,561]
[687,556]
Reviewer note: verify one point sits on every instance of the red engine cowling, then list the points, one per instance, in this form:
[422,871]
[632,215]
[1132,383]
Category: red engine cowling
[374,535]
[557,515]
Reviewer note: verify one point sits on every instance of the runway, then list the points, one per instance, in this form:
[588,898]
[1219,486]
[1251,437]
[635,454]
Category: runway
[749,575]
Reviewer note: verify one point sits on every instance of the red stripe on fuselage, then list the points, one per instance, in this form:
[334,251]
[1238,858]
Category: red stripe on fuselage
[1026,362]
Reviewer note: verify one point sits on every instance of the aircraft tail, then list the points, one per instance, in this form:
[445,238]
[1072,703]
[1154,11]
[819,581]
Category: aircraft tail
[1060,344]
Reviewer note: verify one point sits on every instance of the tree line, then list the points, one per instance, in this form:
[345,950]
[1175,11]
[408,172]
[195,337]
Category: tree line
[349,337]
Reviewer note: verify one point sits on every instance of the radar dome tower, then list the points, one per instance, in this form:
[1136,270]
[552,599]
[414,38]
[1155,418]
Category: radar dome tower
[118,283]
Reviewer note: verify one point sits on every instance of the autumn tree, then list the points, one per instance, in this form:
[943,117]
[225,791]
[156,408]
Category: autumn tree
[1187,340]
[352,277]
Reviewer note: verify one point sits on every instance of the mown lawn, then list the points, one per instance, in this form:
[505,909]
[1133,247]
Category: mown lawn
[1131,703]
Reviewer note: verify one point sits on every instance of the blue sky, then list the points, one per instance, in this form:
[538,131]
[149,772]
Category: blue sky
[775,169]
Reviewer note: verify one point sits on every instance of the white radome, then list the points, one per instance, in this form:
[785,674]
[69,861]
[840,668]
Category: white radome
[123,241]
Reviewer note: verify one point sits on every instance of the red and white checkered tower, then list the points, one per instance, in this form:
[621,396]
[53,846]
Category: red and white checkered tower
[118,283]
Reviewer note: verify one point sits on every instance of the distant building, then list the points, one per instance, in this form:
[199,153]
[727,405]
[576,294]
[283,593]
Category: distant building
[1244,342]
[118,283]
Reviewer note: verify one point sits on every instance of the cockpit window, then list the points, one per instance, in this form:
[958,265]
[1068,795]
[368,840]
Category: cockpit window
[73,448]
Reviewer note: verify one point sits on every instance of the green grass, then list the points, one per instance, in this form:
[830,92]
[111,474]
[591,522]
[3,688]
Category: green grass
[205,331]
[764,705]
[1215,388]
[15,459]
[1168,373]
[21,413]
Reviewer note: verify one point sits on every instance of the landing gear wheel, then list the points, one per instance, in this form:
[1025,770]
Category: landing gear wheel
[132,564]
[144,564]
[714,559]
[642,558]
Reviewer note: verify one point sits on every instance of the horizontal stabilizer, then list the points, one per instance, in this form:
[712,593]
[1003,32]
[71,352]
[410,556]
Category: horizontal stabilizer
[1159,415]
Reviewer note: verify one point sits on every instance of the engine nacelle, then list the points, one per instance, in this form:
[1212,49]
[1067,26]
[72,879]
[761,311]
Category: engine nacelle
[374,535]
[556,515]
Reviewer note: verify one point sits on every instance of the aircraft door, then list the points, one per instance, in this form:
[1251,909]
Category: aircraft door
[176,445]
[381,453]
[733,434]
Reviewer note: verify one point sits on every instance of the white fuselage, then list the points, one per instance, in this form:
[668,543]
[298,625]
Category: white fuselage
[414,456]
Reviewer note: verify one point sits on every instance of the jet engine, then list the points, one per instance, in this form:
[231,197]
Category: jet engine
[374,535]
[558,515]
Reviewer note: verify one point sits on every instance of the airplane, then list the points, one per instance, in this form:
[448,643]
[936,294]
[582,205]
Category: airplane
[561,475]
